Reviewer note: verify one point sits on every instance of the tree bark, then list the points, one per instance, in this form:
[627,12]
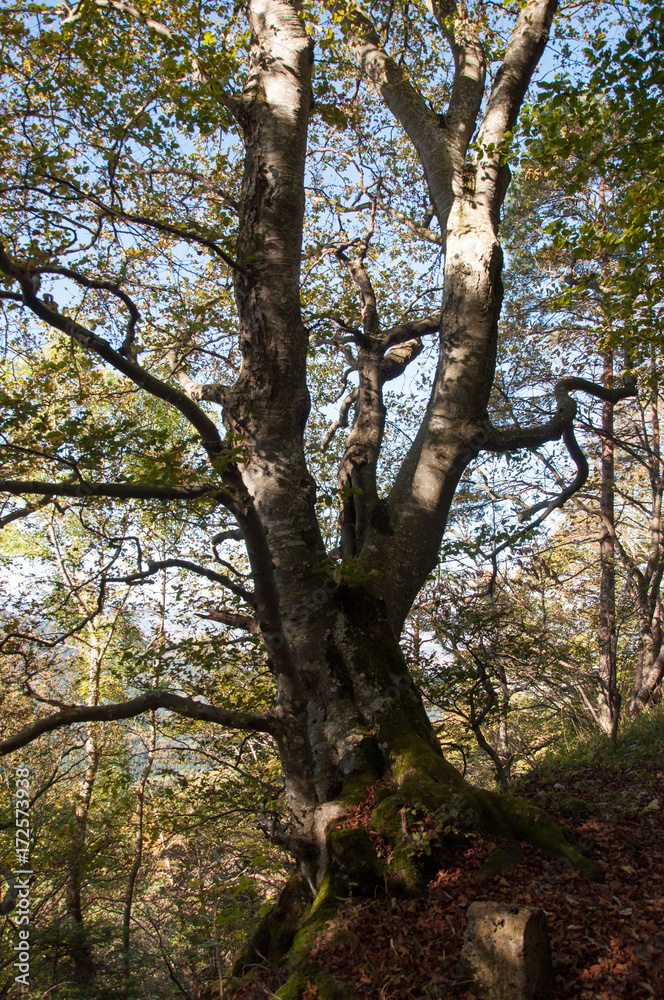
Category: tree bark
[646,583]
[608,699]
[137,859]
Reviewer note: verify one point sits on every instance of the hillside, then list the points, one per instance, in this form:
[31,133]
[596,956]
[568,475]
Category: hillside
[607,936]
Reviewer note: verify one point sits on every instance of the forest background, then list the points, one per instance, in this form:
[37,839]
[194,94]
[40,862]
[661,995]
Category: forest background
[155,838]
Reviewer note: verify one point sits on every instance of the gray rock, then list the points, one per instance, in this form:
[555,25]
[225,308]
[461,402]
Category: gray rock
[506,953]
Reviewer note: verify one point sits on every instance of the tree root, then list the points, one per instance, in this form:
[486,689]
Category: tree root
[395,841]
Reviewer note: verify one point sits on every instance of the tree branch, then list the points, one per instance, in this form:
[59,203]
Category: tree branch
[160,226]
[412,329]
[560,425]
[139,376]
[232,619]
[30,508]
[430,235]
[523,52]
[107,286]
[117,491]
[419,121]
[397,360]
[209,574]
[341,421]
[150,701]
[499,440]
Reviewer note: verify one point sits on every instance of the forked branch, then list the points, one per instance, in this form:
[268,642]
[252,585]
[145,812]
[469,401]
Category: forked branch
[561,425]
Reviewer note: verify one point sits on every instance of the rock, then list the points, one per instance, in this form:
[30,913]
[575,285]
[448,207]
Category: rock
[506,953]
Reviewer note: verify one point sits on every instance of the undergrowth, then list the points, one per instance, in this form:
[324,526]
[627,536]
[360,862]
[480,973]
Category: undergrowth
[640,740]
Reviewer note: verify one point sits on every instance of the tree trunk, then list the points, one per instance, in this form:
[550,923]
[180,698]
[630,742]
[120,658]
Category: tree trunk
[80,950]
[137,859]
[608,699]
[385,753]
[646,584]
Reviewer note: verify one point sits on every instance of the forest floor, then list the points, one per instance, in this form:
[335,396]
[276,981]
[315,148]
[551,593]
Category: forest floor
[607,936]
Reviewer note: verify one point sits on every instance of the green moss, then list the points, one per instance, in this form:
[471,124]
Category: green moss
[429,782]
[276,931]
[385,818]
[533,825]
[293,988]
[323,909]
[328,988]
[354,857]
[412,864]
[409,754]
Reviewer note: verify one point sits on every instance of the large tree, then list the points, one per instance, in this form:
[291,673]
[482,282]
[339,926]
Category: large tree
[156,162]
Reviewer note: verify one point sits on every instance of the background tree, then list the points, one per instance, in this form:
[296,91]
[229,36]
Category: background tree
[599,266]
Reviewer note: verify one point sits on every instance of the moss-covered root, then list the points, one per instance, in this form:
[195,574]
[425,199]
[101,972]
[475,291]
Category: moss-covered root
[305,975]
[276,932]
[426,779]
[291,929]
[534,826]
[313,982]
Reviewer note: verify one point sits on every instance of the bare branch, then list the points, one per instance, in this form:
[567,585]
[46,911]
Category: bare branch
[148,702]
[500,440]
[209,574]
[341,421]
[411,329]
[430,235]
[549,506]
[213,392]
[108,286]
[397,360]
[29,508]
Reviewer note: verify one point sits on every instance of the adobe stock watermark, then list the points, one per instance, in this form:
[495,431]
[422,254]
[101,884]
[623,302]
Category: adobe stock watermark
[22,876]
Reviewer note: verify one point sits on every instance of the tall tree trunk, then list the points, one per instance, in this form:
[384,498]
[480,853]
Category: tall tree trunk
[138,856]
[608,700]
[81,952]
[650,665]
